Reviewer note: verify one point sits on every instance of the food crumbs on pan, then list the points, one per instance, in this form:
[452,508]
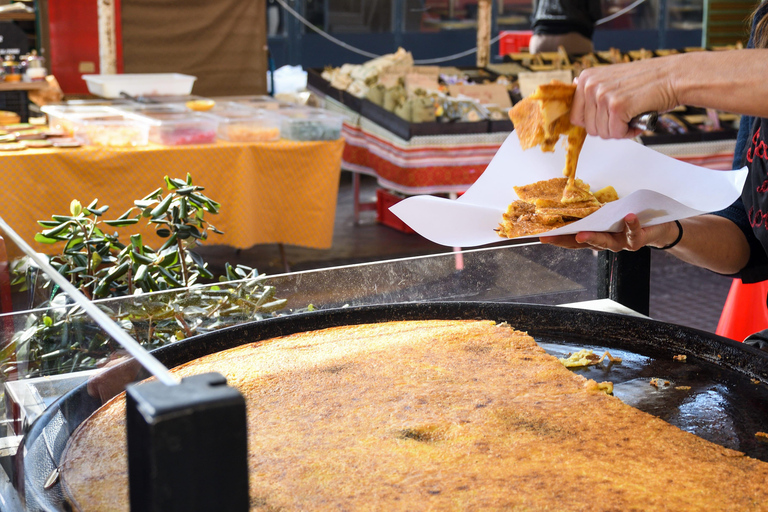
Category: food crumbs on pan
[754,381]
[761,436]
[604,387]
[680,357]
[586,357]
[612,359]
[683,388]
[655,382]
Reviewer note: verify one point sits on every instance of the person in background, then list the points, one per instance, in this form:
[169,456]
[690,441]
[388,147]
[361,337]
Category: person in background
[566,23]
[734,241]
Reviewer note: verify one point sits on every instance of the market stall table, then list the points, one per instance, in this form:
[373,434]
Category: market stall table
[278,192]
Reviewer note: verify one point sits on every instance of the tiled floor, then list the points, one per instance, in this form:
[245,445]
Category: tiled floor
[680,293]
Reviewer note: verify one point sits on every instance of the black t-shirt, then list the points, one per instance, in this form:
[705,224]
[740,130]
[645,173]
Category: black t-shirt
[755,193]
[754,198]
[750,211]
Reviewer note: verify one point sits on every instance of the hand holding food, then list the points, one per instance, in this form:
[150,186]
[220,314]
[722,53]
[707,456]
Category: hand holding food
[608,97]
[541,119]
[632,237]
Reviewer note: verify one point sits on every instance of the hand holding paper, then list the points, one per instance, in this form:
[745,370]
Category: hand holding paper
[654,186]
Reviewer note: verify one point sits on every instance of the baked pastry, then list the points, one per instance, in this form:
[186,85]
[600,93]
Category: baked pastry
[540,120]
[540,209]
[434,415]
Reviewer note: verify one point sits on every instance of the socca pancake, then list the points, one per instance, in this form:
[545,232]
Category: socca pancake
[434,415]
[540,209]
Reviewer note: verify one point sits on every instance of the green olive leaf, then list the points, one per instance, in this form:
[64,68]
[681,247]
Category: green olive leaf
[119,223]
[39,237]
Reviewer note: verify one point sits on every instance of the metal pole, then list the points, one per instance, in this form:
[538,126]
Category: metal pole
[663,16]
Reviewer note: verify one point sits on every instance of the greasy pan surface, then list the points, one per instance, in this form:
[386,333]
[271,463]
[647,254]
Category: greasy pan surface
[719,393]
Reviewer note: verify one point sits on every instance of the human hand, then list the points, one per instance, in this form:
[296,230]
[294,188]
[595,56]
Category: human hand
[116,375]
[608,97]
[631,238]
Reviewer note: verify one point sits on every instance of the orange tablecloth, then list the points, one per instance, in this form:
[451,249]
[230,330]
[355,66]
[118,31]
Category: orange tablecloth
[279,192]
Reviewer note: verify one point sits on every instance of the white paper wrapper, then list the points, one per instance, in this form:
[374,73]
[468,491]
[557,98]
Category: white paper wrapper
[654,186]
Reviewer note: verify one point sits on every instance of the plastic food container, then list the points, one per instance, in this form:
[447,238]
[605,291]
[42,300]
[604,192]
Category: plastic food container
[153,108]
[309,124]
[257,102]
[116,131]
[97,102]
[180,128]
[140,84]
[245,125]
[66,118]
[60,117]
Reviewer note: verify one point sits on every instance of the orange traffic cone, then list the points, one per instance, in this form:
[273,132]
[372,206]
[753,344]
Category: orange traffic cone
[745,311]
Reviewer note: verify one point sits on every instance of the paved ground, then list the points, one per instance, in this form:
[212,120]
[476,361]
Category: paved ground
[686,295]
[680,293]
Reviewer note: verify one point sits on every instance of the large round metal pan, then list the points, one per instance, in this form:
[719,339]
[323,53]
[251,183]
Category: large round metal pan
[726,397]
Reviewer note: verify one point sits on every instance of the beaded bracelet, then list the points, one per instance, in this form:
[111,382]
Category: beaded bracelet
[677,240]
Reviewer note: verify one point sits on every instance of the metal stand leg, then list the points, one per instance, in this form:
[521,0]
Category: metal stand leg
[625,277]
[359,206]
[356,195]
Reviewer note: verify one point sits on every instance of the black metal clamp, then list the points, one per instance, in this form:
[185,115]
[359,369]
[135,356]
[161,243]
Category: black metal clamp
[187,446]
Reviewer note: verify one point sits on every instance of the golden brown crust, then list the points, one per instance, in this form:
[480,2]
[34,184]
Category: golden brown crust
[541,118]
[87,471]
[540,208]
[437,415]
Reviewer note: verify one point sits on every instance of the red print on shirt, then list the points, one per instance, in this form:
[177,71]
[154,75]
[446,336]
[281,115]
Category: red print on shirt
[758,148]
[756,217]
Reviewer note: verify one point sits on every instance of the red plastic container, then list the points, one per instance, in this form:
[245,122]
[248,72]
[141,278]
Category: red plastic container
[385,199]
[512,41]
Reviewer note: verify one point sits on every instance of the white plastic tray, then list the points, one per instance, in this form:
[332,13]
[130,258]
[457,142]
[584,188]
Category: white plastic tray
[140,84]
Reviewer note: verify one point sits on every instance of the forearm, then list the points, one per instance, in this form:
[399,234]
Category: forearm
[709,241]
[732,81]
[608,97]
